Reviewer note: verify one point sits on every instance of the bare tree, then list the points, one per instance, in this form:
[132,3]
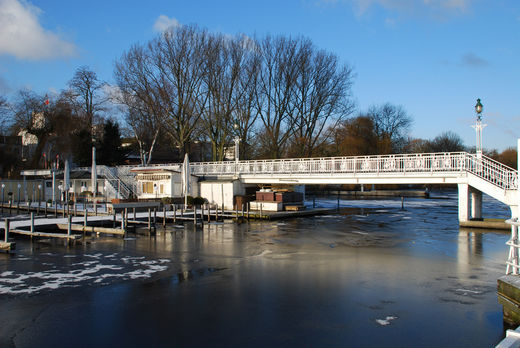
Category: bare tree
[391,124]
[276,91]
[178,56]
[86,93]
[140,97]
[323,88]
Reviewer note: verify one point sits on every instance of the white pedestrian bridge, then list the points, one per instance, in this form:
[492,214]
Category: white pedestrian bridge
[473,174]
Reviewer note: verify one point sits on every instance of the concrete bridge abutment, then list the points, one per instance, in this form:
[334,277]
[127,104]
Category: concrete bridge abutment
[470,203]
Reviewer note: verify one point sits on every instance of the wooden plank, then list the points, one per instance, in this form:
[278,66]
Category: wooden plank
[7,246]
[46,234]
[92,229]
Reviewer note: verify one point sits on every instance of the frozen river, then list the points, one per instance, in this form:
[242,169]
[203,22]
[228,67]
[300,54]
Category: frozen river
[373,275]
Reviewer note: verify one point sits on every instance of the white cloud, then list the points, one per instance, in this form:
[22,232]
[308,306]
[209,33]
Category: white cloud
[164,22]
[22,36]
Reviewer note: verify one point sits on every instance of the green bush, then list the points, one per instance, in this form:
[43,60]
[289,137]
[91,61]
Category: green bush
[167,200]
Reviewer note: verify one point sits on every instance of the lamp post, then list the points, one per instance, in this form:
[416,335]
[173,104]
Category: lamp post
[237,144]
[478,128]
[39,196]
[3,188]
[60,187]
[19,186]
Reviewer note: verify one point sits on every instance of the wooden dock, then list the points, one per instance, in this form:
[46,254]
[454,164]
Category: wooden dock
[46,234]
[7,246]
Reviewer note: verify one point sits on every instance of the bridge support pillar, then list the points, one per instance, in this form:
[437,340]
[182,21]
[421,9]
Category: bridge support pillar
[476,204]
[463,202]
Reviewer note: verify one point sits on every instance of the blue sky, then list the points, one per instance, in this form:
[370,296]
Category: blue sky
[433,57]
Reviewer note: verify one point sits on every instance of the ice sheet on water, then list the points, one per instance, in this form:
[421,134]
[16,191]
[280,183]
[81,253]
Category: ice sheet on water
[102,270]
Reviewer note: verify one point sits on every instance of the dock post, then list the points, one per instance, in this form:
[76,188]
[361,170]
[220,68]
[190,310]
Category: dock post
[174,213]
[216,212]
[113,220]
[75,209]
[122,219]
[149,220]
[247,211]
[17,207]
[133,210]
[154,217]
[243,215]
[202,208]
[338,202]
[313,202]
[32,222]
[194,214]
[46,209]
[68,208]
[182,210]
[261,205]
[209,213]
[95,208]
[402,202]
[164,216]
[7,229]
[38,209]
[69,225]
[85,220]
[55,209]
[236,212]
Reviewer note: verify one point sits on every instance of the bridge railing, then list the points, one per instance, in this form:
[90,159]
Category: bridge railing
[399,164]
[492,171]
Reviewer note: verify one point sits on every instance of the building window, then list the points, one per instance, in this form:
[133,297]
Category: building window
[148,187]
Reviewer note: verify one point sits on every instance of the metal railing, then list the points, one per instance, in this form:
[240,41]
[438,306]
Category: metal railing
[391,165]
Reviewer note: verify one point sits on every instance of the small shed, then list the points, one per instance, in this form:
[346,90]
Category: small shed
[221,191]
[156,182]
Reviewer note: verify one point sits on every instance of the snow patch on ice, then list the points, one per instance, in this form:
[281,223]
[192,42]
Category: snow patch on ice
[386,321]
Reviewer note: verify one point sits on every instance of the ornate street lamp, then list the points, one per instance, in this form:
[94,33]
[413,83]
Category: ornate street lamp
[478,128]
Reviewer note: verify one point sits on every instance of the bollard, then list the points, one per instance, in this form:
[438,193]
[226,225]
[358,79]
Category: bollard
[32,222]
[69,225]
[7,229]
[164,216]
